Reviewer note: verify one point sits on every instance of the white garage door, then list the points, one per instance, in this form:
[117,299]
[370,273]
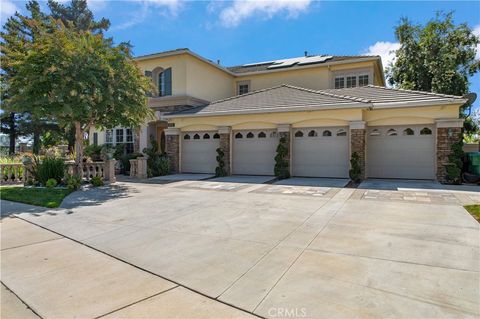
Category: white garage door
[401,152]
[199,152]
[254,152]
[321,152]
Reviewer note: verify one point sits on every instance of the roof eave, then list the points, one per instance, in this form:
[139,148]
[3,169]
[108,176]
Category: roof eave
[318,107]
[445,101]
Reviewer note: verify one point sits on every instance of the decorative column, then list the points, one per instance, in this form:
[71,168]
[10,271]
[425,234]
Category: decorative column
[449,132]
[357,143]
[225,145]
[172,147]
[109,171]
[141,138]
[283,131]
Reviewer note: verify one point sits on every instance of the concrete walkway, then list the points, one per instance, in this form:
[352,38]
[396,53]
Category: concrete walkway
[272,250]
[49,276]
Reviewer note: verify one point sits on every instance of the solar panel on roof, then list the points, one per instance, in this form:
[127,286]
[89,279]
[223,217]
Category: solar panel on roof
[283,63]
[314,59]
[299,61]
[258,63]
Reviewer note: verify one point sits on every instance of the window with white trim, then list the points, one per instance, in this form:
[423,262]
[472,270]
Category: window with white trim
[351,81]
[243,87]
[339,82]
[122,136]
[363,80]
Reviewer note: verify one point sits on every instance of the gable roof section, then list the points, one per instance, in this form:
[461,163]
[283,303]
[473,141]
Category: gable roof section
[288,98]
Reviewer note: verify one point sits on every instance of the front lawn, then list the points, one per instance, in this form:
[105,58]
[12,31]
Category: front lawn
[46,197]
[474,210]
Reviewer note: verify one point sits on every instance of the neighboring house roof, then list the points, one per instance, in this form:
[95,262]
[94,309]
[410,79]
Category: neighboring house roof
[268,66]
[287,98]
[292,63]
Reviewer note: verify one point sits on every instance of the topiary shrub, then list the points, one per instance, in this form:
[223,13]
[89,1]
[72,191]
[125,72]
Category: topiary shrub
[220,169]
[49,167]
[158,164]
[96,181]
[455,165]
[355,171]
[281,168]
[51,183]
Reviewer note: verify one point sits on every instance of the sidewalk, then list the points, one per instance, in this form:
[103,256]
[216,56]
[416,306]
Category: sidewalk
[60,278]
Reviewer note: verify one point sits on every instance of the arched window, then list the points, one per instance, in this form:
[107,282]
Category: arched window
[392,132]
[312,133]
[165,82]
[238,135]
[250,135]
[408,131]
[426,131]
[327,133]
[206,136]
[375,132]
[298,134]
[216,136]
[186,137]
[341,132]
[196,137]
[262,135]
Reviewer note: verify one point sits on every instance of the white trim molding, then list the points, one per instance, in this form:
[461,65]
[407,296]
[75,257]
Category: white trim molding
[172,131]
[449,123]
[283,128]
[224,129]
[357,125]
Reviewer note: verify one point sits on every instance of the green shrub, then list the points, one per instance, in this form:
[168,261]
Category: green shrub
[158,164]
[281,169]
[355,170]
[455,165]
[220,169]
[50,167]
[73,182]
[94,152]
[52,182]
[97,181]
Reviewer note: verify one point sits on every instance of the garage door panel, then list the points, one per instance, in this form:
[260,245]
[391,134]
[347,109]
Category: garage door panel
[254,152]
[401,155]
[321,152]
[199,152]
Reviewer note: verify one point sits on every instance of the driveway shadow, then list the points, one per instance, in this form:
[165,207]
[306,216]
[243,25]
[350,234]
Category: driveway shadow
[391,184]
[9,208]
[91,196]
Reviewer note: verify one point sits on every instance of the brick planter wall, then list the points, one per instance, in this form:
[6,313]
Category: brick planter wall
[357,140]
[444,148]
[225,146]
[172,148]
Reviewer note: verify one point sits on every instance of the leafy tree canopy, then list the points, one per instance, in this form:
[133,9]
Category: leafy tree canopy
[438,57]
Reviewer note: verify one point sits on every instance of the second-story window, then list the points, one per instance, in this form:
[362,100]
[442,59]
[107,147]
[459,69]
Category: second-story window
[351,81]
[243,87]
[362,80]
[339,83]
[165,82]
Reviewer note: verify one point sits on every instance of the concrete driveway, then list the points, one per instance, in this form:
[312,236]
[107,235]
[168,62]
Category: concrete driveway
[282,250]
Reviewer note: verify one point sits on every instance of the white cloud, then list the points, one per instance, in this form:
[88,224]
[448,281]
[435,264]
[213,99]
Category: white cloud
[239,10]
[386,50]
[7,9]
[476,31]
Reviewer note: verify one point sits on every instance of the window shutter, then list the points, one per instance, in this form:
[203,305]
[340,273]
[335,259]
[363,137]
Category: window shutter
[168,81]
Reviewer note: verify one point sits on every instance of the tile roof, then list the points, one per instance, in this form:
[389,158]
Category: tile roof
[289,98]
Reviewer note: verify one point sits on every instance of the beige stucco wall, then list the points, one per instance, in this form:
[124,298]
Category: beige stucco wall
[398,116]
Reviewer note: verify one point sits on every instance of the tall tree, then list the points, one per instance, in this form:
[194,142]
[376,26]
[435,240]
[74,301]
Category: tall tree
[81,78]
[438,57]
[77,15]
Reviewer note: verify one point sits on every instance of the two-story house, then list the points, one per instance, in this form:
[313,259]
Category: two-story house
[326,107]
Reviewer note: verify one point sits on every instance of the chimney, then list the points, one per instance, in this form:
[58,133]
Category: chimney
[306,53]
[218,62]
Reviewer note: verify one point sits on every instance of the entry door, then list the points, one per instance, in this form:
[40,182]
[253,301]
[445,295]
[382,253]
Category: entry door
[199,152]
[401,152]
[254,152]
[321,152]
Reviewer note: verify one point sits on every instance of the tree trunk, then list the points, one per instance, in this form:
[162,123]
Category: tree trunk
[12,134]
[70,134]
[78,148]
[36,139]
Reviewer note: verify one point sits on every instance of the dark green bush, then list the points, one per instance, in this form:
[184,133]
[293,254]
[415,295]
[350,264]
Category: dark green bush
[125,161]
[355,170]
[73,182]
[455,166]
[50,167]
[52,182]
[96,181]
[220,169]
[158,164]
[281,169]
[94,152]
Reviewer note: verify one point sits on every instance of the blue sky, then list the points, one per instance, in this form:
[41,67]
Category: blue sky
[238,32]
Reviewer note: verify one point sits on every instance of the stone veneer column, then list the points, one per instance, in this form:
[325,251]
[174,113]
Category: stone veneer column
[172,147]
[225,145]
[284,131]
[357,142]
[449,131]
